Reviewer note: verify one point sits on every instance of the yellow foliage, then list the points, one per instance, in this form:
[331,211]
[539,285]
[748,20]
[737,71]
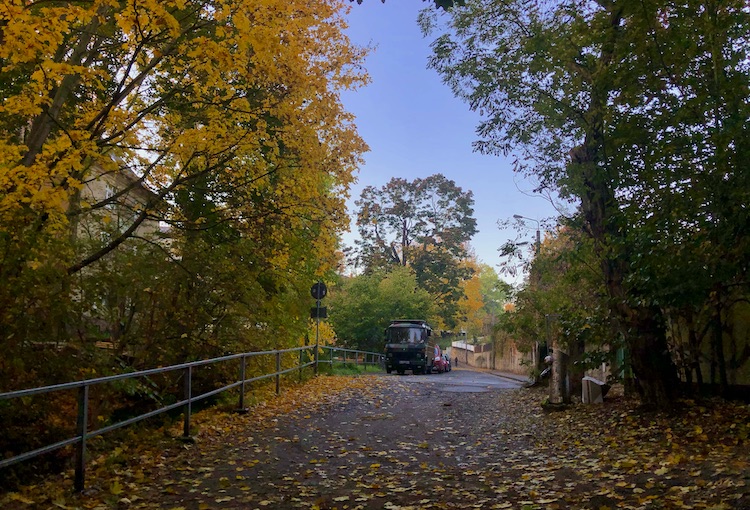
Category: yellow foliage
[326,334]
[243,90]
[473,302]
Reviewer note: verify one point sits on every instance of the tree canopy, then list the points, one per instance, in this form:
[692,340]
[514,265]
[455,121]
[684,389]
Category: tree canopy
[199,147]
[637,112]
[424,224]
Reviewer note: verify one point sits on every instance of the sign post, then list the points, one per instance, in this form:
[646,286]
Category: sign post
[318,291]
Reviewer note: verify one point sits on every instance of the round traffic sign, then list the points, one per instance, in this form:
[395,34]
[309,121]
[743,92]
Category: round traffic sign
[319,290]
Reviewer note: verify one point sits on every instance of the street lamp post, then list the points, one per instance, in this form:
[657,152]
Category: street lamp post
[538,228]
[466,346]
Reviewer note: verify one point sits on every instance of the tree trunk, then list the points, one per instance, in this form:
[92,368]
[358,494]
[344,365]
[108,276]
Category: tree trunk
[655,373]
[576,350]
[717,346]
[643,326]
[694,358]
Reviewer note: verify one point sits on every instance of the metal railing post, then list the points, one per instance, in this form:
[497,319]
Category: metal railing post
[243,367]
[316,359]
[188,393]
[81,431]
[278,374]
[300,365]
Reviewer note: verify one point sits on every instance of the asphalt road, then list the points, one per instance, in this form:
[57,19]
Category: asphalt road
[406,441]
[461,440]
[377,442]
[460,380]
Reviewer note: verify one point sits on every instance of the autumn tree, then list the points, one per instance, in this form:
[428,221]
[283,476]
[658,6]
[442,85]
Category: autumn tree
[628,108]
[225,115]
[485,295]
[424,224]
[470,307]
[564,300]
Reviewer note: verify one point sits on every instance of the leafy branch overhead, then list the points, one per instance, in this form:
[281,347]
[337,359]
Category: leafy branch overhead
[439,4]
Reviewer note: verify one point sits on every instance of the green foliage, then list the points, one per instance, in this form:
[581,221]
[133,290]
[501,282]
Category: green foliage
[364,305]
[348,369]
[638,112]
[424,224]
[495,293]
[565,299]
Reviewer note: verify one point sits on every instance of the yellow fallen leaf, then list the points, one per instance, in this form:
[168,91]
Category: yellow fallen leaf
[116,488]
[18,497]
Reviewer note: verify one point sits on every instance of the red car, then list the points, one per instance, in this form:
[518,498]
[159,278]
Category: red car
[447,363]
[440,364]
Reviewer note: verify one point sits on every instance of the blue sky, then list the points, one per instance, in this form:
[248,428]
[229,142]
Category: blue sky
[415,127]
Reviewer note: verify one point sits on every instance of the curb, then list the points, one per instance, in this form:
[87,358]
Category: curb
[513,377]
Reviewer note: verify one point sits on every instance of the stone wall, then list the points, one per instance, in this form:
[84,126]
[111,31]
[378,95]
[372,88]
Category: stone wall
[482,356]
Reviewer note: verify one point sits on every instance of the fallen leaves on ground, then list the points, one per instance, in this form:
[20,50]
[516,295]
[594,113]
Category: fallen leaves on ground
[384,442]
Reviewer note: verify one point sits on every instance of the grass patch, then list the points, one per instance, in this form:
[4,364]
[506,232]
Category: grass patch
[348,369]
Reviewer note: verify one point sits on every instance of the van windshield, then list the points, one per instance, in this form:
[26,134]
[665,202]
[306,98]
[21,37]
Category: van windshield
[405,335]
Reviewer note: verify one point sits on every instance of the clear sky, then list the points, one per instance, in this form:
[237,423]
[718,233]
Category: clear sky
[415,127]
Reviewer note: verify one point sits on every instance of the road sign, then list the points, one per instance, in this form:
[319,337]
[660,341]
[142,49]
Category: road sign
[319,290]
[318,312]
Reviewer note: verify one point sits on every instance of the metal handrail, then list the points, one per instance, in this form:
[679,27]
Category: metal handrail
[83,434]
[140,373]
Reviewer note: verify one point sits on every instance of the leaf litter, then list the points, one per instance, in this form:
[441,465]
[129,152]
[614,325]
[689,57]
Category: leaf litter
[380,442]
